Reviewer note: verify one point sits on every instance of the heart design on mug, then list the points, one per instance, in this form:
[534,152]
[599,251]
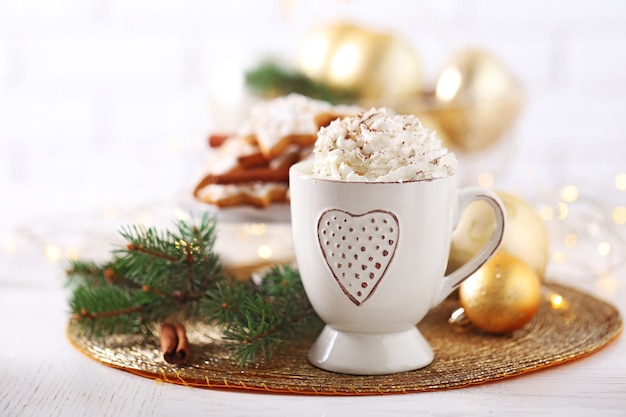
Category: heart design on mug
[358,249]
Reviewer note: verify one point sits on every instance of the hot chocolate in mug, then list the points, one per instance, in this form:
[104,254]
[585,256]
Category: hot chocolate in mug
[372,257]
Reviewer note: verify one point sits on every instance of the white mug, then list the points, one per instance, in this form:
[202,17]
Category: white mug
[372,257]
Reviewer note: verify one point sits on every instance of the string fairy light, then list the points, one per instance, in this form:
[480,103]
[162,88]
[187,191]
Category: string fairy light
[619,215]
[569,194]
[546,212]
[486,179]
[53,252]
[604,248]
[620,182]
[10,244]
[257,229]
[264,252]
[72,253]
[608,283]
[557,301]
[563,210]
[558,256]
[570,240]
[449,83]
[180,214]
[585,232]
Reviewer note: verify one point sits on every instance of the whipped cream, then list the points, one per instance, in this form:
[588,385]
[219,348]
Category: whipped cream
[382,146]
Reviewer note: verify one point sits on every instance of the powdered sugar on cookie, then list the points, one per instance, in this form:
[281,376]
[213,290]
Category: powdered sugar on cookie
[380,145]
[283,119]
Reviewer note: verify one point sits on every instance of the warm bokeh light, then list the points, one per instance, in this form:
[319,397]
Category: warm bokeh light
[604,248]
[457,316]
[345,61]
[181,214]
[53,252]
[264,252]
[608,283]
[449,84]
[563,210]
[10,245]
[546,213]
[569,194]
[317,50]
[72,253]
[570,240]
[558,256]
[619,215]
[486,179]
[620,182]
[257,229]
[558,302]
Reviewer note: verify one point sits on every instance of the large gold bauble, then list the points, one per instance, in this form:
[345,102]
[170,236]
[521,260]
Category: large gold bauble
[478,100]
[525,234]
[502,296]
[375,65]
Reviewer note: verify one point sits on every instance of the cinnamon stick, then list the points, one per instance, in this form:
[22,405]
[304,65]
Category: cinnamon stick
[182,348]
[169,340]
[174,344]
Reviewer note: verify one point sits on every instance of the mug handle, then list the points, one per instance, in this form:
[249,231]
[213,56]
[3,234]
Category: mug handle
[465,197]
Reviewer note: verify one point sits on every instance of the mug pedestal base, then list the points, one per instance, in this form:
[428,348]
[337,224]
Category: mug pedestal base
[370,354]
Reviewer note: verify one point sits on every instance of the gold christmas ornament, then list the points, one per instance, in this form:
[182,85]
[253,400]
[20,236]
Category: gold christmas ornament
[376,65]
[525,234]
[502,296]
[477,98]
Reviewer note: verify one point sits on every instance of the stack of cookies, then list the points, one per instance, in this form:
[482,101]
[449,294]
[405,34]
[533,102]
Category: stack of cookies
[251,166]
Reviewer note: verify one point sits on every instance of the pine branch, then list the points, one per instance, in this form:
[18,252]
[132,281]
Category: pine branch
[222,306]
[85,272]
[163,275]
[269,79]
[260,320]
[157,275]
[110,309]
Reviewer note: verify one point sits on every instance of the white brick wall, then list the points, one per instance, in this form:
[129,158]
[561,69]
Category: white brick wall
[95,93]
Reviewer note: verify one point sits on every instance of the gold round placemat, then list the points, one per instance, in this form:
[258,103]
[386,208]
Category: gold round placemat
[575,327]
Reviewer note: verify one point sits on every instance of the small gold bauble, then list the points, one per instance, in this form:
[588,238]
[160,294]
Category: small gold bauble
[502,296]
[479,99]
[525,234]
[373,64]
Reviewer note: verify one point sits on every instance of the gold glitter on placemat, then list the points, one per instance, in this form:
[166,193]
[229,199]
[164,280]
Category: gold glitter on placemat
[577,327]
